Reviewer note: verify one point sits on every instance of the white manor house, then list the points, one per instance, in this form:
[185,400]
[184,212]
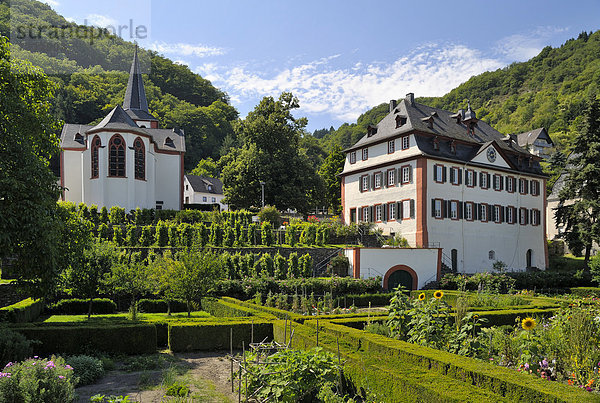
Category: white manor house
[125,160]
[445,179]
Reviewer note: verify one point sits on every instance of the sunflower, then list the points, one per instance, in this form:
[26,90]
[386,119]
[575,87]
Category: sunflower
[421,296]
[528,324]
[475,317]
[438,294]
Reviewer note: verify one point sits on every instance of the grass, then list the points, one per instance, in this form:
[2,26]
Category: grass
[123,317]
[4,281]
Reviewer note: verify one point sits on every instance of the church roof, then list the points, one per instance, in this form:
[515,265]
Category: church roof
[135,102]
[429,123]
[118,119]
[201,184]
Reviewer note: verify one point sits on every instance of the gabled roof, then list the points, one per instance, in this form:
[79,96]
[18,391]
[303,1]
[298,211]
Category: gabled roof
[116,119]
[429,123]
[202,184]
[529,137]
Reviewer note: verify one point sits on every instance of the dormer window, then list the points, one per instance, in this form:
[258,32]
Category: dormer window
[429,121]
[471,128]
[169,142]
[79,138]
[210,188]
[400,121]
[371,131]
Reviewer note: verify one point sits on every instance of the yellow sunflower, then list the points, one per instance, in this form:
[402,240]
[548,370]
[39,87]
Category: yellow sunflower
[421,296]
[528,324]
[475,317]
[438,294]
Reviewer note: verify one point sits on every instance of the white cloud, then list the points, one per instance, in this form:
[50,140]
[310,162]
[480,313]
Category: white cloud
[186,49]
[524,46]
[52,3]
[345,93]
[99,20]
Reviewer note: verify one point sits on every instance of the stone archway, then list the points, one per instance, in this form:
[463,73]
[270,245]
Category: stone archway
[399,274]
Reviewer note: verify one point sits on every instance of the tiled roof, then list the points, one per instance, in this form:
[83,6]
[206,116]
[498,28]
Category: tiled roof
[529,137]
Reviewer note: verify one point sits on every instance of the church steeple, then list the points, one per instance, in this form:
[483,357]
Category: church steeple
[135,102]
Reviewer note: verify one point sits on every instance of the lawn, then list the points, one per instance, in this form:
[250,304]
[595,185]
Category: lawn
[566,263]
[123,317]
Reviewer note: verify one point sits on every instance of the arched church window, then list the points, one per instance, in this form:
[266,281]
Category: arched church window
[96,144]
[140,159]
[116,156]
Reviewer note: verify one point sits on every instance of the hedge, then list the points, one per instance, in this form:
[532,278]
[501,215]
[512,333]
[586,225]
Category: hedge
[363,300]
[586,291]
[160,306]
[27,310]
[74,339]
[76,306]
[216,336]
[224,308]
[398,355]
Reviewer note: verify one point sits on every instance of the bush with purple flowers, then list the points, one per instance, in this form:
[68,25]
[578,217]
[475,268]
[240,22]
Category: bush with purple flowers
[37,380]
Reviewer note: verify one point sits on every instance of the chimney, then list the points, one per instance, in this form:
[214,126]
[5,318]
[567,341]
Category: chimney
[410,98]
[392,105]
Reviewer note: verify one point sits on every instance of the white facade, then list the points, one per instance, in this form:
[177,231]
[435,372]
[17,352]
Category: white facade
[423,265]
[431,190]
[191,196]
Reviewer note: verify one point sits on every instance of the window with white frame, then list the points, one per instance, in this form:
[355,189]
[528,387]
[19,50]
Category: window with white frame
[483,212]
[509,184]
[496,213]
[365,154]
[535,188]
[391,211]
[535,217]
[365,214]
[454,210]
[454,175]
[353,157]
[405,142]
[484,183]
[469,211]
[439,173]
[391,177]
[406,174]
[509,215]
[497,182]
[523,216]
[377,180]
[214,199]
[438,208]
[522,186]
[378,212]
[391,146]
[365,183]
[405,209]
[470,178]
[204,198]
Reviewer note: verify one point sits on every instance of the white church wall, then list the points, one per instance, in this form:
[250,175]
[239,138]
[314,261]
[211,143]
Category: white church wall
[168,188]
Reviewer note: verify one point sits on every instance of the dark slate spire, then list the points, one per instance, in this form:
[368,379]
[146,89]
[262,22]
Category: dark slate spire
[135,95]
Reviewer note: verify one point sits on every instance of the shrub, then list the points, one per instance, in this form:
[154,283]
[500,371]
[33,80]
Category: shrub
[229,237]
[216,234]
[87,369]
[215,336]
[293,267]
[103,231]
[117,215]
[271,215]
[94,214]
[280,267]
[75,306]
[104,215]
[27,310]
[173,236]
[186,232]
[38,380]
[162,234]
[306,265]
[160,306]
[252,231]
[266,232]
[13,346]
[178,389]
[132,235]
[291,235]
[309,234]
[338,266]
[118,235]
[146,238]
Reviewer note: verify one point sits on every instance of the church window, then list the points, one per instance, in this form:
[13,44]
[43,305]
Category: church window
[116,156]
[96,144]
[140,159]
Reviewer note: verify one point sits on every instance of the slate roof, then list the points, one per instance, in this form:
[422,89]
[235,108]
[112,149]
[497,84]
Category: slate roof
[529,137]
[446,128]
[135,106]
[200,184]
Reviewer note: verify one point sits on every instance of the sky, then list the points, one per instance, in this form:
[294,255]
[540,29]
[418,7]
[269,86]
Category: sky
[340,58]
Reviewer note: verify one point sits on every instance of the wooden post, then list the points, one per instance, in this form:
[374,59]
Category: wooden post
[252,332]
[231,354]
[317,332]
[285,332]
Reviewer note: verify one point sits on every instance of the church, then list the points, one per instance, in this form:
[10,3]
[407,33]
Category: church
[125,160]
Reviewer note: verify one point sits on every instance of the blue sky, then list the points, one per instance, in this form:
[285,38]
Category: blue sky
[341,57]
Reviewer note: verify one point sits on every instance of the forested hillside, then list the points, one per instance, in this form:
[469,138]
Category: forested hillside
[547,91]
[91,78]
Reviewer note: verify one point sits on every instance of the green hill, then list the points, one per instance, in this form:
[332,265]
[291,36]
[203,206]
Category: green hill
[547,91]
[91,78]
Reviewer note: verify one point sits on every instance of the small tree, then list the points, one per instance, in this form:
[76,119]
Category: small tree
[280,267]
[173,236]
[117,215]
[266,265]
[130,276]
[216,234]
[270,214]
[132,235]
[291,235]
[293,267]
[103,232]
[118,237]
[252,230]
[146,238]
[229,236]
[195,274]
[186,233]
[104,215]
[309,234]
[86,279]
[94,217]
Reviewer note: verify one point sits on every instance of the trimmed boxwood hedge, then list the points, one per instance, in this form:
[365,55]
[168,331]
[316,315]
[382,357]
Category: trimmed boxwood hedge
[160,306]
[363,300]
[27,310]
[586,291]
[77,306]
[398,354]
[74,339]
[216,336]
[224,308]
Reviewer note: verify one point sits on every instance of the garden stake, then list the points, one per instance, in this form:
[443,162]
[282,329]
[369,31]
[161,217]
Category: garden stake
[285,332]
[317,332]
[240,383]
[252,332]
[231,353]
